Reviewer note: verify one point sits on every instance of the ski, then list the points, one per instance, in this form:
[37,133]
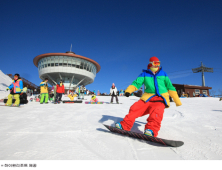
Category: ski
[94,102]
[145,137]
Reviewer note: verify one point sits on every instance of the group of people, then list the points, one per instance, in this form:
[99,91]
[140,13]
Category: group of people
[44,92]
[153,101]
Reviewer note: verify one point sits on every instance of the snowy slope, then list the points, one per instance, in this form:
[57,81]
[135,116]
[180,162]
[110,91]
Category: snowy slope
[76,132]
[5,81]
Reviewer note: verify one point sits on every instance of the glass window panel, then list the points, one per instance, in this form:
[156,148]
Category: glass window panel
[56,59]
[48,64]
[78,61]
[52,64]
[52,59]
[56,64]
[60,60]
[69,61]
[81,65]
[73,61]
[45,65]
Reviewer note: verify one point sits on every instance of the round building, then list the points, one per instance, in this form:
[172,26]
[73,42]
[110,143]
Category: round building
[73,69]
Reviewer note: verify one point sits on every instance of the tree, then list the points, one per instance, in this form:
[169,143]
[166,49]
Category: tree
[212,92]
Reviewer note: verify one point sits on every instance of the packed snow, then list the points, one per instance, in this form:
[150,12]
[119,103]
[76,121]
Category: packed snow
[76,131]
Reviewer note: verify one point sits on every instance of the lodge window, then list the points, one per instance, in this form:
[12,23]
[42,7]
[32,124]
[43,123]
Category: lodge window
[204,92]
[197,91]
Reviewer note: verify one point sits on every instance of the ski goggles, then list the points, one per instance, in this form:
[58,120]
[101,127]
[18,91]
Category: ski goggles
[15,76]
[155,63]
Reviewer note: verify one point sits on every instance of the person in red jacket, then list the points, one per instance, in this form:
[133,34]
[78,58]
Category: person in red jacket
[59,91]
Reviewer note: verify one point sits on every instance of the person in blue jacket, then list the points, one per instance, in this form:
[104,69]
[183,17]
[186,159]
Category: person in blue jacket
[16,89]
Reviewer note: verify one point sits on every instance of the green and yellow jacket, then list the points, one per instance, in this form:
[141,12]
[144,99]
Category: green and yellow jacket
[157,84]
[44,87]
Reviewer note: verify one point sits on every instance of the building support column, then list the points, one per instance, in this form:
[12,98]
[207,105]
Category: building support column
[60,76]
[51,79]
[71,81]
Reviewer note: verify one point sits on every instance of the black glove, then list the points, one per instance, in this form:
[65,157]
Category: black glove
[127,94]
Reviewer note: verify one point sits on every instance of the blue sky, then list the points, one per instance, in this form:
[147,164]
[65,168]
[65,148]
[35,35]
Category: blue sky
[121,35]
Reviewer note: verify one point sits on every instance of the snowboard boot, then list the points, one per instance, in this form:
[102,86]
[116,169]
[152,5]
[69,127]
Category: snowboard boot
[7,105]
[118,125]
[148,132]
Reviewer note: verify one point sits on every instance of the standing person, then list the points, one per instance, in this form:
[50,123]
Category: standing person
[153,101]
[44,91]
[51,95]
[113,93]
[16,89]
[60,89]
[82,91]
[121,93]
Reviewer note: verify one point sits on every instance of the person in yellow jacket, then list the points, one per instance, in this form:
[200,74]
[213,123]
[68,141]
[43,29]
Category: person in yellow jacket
[44,91]
[72,96]
[16,89]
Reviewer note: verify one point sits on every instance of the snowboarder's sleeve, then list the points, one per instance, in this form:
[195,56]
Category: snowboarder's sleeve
[136,84]
[21,85]
[10,87]
[172,91]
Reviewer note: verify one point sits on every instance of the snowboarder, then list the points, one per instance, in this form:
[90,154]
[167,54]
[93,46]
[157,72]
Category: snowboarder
[44,91]
[94,98]
[154,100]
[72,96]
[51,95]
[82,91]
[60,89]
[113,93]
[121,93]
[16,89]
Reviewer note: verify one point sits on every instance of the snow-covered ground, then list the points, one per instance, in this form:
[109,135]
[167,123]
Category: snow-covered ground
[76,131]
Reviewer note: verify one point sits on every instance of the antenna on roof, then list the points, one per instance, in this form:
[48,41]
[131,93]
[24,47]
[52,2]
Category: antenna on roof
[71,48]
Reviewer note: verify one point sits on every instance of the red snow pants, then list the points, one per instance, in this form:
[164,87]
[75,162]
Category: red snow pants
[141,108]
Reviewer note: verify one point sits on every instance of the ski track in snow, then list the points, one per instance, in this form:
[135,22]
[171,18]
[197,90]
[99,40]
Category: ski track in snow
[75,131]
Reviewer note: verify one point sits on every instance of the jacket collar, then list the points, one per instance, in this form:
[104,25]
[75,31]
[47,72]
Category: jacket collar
[149,71]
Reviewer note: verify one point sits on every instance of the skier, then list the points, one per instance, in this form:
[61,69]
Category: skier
[94,98]
[51,95]
[72,96]
[82,91]
[44,90]
[113,93]
[153,101]
[15,91]
[121,93]
[60,89]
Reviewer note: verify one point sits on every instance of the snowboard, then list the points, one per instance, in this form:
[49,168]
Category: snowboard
[94,102]
[74,101]
[114,103]
[12,106]
[145,137]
